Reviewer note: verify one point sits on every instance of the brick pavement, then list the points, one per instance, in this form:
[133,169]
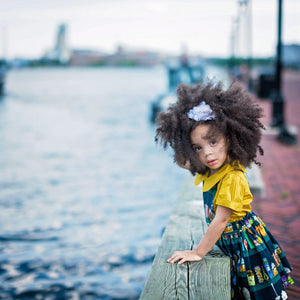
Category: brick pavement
[280,206]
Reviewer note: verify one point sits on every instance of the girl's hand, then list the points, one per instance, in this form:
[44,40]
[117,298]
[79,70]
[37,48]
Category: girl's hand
[183,256]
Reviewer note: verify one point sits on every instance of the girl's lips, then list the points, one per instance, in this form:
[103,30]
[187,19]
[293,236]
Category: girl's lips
[212,162]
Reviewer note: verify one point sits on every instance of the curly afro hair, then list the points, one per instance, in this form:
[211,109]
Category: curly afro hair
[236,117]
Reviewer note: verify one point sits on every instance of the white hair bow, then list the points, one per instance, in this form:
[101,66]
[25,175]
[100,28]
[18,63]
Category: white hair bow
[201,112]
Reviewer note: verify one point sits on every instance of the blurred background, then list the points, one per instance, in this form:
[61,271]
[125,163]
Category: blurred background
[84,191]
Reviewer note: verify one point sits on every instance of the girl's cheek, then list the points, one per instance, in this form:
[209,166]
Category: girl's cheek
[201,158]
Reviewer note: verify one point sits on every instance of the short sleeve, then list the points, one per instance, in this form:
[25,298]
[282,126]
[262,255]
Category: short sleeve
[231,191]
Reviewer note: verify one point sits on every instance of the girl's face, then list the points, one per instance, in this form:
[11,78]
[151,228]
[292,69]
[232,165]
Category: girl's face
[211,149]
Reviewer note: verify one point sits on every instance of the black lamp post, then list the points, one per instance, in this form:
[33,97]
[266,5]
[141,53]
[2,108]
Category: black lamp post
[278,101]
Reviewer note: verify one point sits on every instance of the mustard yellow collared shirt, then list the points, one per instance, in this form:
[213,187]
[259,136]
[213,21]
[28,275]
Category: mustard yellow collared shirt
[233,189]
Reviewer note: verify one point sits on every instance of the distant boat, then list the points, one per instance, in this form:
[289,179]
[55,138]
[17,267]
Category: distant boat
[178,72]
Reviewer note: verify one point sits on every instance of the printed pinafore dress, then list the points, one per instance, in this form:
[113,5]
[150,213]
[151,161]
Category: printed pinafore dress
[259,268]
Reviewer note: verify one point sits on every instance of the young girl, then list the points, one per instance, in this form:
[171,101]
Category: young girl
[216,134]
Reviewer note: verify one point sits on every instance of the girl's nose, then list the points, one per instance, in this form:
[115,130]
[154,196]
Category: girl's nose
[207,151]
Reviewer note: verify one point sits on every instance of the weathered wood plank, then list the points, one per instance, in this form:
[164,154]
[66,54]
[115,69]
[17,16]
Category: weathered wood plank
[202,286]
[167,281]
[208,279]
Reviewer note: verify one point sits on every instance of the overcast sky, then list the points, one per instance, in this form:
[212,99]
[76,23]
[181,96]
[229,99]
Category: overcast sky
[28,27]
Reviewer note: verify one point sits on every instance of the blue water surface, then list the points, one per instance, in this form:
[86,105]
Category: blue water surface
[84,191]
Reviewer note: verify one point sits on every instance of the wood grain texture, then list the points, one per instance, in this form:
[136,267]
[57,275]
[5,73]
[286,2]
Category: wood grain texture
[207,279]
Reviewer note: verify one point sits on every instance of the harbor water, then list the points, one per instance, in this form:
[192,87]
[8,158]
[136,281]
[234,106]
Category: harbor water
[84,191]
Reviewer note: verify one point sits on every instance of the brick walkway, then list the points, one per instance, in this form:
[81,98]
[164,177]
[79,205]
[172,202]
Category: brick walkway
[280,206]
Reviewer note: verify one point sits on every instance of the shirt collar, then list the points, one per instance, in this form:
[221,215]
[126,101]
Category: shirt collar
[211,181]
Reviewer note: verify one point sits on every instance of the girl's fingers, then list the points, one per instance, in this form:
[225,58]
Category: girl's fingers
[182,261]
[175,257]
[179,259]
[183,256]
[171,259]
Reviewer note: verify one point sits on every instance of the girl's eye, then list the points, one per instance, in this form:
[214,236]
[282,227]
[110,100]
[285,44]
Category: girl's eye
[213,143]
[197,148]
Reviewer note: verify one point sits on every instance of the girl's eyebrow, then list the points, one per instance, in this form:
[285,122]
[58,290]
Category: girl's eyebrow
[208,136]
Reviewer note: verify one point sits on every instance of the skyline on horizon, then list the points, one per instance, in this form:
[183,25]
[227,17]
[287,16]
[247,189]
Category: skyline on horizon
[202,28]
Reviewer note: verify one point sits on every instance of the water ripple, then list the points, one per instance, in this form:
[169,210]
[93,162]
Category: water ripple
[84,191]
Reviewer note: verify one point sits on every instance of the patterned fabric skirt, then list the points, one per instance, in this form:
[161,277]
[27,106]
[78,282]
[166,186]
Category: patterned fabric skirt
[259,269]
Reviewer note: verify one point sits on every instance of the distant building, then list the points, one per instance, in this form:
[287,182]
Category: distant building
[291,55]
[60,53]
[121,57]
[86,57]
[128,57]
